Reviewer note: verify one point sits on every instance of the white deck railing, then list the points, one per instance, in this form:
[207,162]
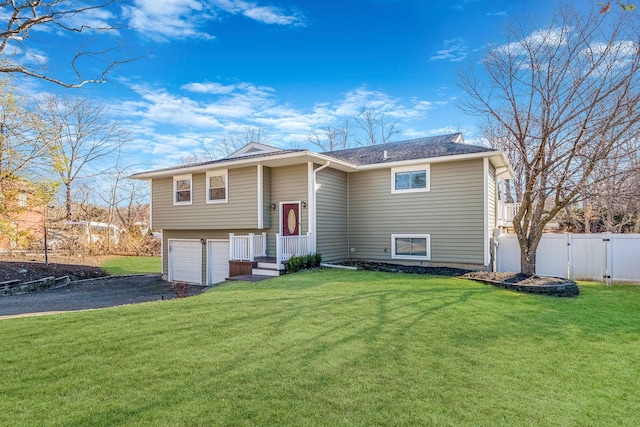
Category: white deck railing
[506,212]
[288,246]
[247,248]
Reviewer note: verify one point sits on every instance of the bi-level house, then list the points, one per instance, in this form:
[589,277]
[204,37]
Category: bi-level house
[427,201]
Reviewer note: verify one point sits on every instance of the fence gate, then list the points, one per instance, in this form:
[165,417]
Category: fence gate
[599,257]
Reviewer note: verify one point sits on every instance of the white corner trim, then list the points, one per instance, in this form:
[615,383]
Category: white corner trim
[485,209]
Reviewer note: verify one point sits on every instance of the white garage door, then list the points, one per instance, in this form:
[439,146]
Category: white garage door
[185,261]
[218,260]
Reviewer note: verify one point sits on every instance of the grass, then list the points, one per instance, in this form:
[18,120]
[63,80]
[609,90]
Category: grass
[332,348]
[131,265]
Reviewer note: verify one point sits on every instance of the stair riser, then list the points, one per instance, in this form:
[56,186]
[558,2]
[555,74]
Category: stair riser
[265,272]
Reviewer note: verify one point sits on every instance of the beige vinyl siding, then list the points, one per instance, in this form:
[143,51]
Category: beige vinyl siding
[239,212]
[331,215]
[452,213]
[266,197]
[195,235]
[288,184]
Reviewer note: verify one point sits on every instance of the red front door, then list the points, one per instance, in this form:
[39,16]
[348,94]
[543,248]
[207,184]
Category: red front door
[290,219]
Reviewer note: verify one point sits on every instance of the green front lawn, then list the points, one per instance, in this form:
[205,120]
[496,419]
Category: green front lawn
[118,266]
[331,348]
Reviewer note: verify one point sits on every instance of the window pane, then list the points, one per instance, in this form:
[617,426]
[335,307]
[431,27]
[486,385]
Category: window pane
[419,246]
[216,181]
[419,179]
[403,181]
[403,246]
[217,193]
[183,184]
[183,196]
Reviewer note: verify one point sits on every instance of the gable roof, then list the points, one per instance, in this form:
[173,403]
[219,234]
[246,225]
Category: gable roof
[253,148]
[420,148]
[429,149]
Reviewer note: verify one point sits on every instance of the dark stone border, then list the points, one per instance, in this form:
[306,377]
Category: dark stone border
[566,289]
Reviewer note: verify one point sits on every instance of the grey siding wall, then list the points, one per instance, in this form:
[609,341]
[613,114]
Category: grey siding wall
[266,197]
[288,184]
[452,213]
[331,215]
[239,212]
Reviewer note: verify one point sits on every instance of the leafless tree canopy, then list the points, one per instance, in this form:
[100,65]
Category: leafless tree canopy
[27,29]
[561,100]
[84,135]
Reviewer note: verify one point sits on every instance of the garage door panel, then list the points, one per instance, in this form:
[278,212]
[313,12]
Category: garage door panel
[185,261]
[218,261]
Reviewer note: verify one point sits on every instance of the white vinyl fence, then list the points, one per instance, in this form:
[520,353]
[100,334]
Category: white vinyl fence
[601,257]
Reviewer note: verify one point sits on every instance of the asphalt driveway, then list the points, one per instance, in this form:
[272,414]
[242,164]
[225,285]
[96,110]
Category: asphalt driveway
[89,294]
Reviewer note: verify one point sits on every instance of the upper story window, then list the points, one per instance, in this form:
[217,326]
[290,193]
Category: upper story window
[217,184]
[411,246]
[410,179]
[182,190]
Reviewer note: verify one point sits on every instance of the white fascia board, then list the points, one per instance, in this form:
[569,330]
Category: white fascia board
[303,157]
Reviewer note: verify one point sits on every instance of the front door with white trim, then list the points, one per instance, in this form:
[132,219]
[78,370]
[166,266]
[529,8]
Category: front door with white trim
[290,219]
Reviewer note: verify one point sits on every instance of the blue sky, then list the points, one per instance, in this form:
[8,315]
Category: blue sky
[213,67]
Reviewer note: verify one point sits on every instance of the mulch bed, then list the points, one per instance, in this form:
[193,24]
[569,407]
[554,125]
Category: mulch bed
[542,285]
[28,270]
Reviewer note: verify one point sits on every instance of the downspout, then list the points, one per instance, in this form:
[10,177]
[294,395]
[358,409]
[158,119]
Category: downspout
[315,204]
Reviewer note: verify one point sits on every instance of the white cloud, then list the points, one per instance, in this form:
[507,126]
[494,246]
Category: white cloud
[174,126]
[455,50]
[213,88]
[548,37]
[162,20]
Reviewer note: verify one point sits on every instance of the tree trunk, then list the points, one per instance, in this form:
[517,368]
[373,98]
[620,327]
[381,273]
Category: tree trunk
[527,262]
[68,201]
[528,252]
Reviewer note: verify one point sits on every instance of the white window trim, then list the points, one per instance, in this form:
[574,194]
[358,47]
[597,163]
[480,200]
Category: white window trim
[410,257]
[224,173]
[413,168]
[177,178]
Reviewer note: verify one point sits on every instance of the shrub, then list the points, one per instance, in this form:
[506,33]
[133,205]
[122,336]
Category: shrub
[181,289]
[297,263]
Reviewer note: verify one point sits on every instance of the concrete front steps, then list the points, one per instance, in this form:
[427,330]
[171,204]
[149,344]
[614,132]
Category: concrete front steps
[266,269]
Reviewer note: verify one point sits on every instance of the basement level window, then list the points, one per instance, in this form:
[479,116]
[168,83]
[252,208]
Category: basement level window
[411,246]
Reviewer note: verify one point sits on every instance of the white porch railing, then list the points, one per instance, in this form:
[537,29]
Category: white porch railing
[247,248]
[506,212]
[288,246]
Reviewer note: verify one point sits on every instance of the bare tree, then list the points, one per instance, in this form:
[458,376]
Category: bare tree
[85,135]
[378,128]
[21,51]
[331,137]
[560,100]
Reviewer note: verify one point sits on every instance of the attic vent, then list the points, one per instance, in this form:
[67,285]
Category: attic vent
[384,156]
[252,150]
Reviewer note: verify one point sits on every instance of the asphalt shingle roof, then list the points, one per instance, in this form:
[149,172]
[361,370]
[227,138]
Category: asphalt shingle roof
[435,146]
